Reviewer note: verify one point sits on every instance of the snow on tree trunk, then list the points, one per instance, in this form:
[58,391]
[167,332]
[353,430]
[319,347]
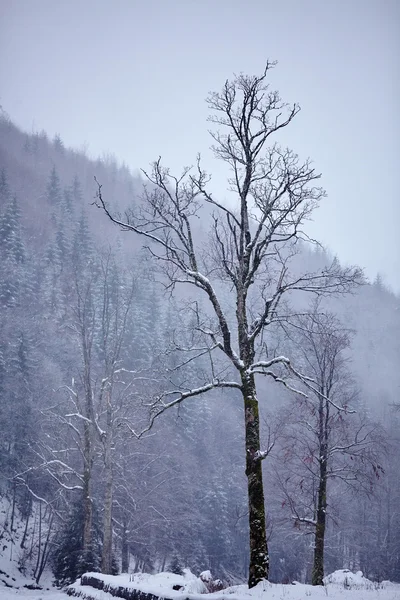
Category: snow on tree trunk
[259,558]
[106,559]
[87,485]
[318,566]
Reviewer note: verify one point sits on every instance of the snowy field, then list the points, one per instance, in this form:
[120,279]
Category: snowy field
[341,585]
[23,594]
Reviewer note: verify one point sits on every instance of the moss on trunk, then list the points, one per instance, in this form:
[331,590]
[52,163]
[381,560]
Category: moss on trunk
[259,558]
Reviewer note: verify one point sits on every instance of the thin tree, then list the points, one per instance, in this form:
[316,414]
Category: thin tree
[326,437]
[116,298]
[252,244]
[104,300]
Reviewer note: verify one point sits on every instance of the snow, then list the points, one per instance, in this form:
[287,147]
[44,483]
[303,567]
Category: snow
[24,594]
[341,585]
[347,579]
[11,553]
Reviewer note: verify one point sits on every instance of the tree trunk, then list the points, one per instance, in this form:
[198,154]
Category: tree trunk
[259,558]
[318,567]
[389,551]
[22,545]
[45,552]
[13,509]
[163,563]
[87,484]
[106,557]
[124,546]
[39,545]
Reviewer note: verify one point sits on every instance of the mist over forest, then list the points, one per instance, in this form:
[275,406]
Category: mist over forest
[109,459]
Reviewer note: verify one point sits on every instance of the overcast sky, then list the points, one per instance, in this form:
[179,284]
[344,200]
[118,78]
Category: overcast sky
[129,77]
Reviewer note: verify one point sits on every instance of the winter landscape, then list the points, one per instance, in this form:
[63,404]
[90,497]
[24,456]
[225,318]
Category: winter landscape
[198,397]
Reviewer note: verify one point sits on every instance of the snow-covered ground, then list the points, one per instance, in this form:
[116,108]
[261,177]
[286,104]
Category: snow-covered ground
[17,562]
[341,585]
[24,594]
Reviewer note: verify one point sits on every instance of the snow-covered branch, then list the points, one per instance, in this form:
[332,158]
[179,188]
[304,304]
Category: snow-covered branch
[160,405]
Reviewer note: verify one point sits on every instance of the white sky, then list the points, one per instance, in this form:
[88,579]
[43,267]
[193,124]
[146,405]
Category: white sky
[130,77]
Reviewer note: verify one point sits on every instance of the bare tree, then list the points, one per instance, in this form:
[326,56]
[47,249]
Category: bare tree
[326,438]
[252,245]
[117,391]
[108,386]
[100,399]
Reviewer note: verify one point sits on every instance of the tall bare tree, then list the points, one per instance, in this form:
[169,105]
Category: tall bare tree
[328,437]
[108,386]
[102,396]
[252,245]
[116,391]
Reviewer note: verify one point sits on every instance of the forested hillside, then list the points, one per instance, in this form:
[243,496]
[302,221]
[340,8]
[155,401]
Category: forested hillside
[91,336]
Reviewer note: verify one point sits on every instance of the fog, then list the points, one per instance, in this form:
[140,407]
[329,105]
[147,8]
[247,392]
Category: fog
[199,369]
[130,78]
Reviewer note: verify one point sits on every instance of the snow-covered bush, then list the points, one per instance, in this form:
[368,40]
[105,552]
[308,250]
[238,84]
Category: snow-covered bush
[350,580]
[212,585]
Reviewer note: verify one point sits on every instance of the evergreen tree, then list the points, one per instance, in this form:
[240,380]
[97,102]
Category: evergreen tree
[175,566]
[145,323]
[12,255]
[69,561]
[28,145]
[82,244]
[16,401]
[10,224]
[76,190]
[35,144]
[4,188]
[58,144]
[62,245]
[68,201]
[53,192]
